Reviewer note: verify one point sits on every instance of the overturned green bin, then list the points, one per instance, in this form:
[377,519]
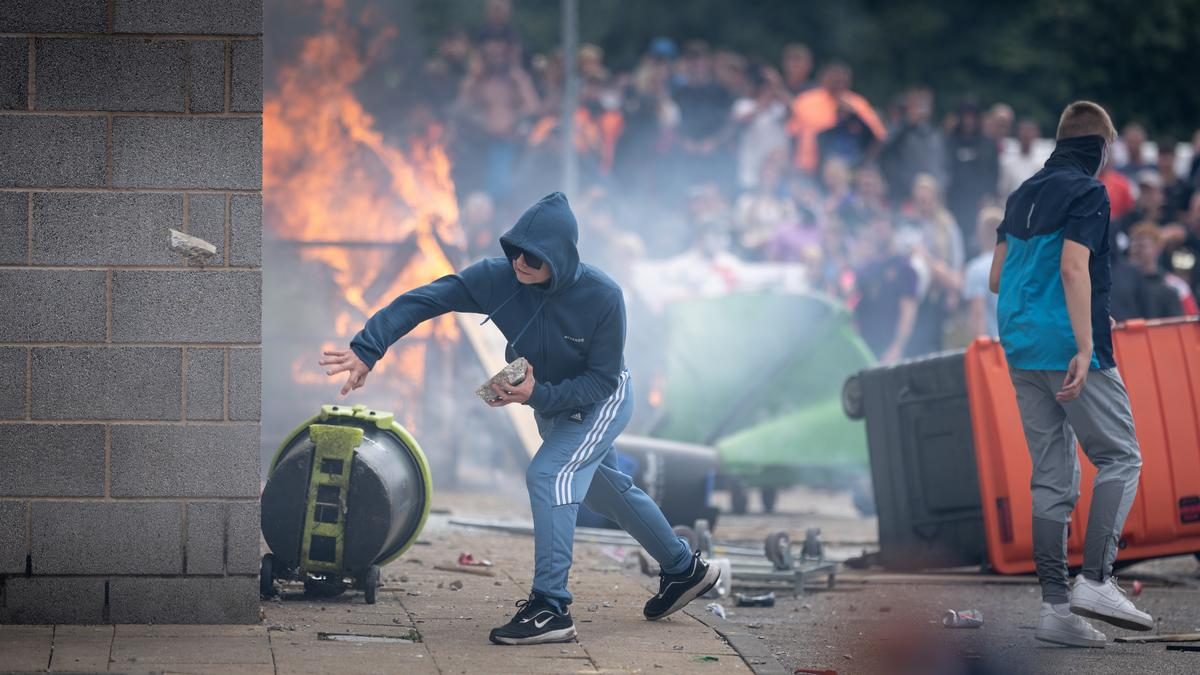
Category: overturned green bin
[346,493]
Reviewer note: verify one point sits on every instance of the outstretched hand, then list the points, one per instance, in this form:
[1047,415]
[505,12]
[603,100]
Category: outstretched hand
[346,361]
[515,394]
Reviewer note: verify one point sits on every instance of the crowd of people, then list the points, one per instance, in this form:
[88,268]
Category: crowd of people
[700,151]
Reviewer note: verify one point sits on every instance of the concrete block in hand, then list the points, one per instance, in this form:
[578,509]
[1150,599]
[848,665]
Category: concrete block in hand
[511,375]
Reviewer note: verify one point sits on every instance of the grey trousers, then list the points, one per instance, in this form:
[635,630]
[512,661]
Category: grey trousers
[1101,419]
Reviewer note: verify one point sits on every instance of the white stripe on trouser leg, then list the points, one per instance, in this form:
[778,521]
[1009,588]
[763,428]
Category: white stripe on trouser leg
[608,412]
[569,484]
[567,472]
[560,493]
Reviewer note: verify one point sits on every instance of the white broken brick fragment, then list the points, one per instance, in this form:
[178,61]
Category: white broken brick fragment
[512,375]
[193,248]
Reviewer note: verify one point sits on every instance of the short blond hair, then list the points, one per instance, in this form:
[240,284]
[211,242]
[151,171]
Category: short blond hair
[1085,118]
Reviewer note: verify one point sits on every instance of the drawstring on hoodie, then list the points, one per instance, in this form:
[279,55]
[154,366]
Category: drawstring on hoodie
[513,343]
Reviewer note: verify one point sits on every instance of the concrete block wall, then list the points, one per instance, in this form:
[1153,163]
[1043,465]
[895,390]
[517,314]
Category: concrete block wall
[130,381]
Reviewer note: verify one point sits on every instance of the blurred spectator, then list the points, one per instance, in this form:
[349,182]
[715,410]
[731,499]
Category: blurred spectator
[1120,194]
[916,147]
[1018,164]
[867,202]
[998,124]
[849,140]
[1147,207]
[445,71]
[1133,138]
[1139,290]
[981,301]
[797,64]
[496,96]
[759,214]
[497,20]
[591,63]
[761,119]
[479,224]
[835,181]
[650,119]
[730,71]
[1177,191]
[936,246]
[704,107]
[886,283]
[1184,260]
[974,169]
[816,110]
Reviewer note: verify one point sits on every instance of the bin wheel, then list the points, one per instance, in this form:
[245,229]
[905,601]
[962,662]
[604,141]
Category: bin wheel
[371,583]
[739,498]
[689,534]
[768,495]
[266,577]
[778,549]
[852,398]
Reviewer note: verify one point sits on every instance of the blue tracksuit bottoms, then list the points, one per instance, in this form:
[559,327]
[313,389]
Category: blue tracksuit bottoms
[576,462]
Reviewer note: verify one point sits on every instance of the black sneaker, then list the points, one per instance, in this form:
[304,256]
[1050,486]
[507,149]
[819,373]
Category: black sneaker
[534,623]
[677,590]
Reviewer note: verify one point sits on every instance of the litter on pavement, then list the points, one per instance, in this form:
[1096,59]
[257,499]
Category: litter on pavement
[962,618]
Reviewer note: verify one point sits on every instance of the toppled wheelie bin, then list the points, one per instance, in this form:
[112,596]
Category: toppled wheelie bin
[347,492]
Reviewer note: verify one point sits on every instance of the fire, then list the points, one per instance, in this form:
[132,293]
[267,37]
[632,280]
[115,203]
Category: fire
[375,211]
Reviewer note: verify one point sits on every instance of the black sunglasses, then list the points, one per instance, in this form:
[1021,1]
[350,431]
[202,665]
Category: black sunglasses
[530,259]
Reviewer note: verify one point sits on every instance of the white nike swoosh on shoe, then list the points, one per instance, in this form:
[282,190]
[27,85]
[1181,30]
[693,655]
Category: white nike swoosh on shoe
[535,616]
[539,624]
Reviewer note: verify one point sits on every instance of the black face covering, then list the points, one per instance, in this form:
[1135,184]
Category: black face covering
[1083,152]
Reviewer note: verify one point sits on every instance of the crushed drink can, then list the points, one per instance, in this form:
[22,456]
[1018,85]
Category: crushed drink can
[767,600]
[962,618]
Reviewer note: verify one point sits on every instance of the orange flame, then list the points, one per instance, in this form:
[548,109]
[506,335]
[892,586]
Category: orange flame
[333,180]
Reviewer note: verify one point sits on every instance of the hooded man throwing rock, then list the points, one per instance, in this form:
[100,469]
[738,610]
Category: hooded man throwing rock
[567,319]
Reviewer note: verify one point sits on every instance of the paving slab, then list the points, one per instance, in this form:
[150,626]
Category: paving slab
[81,648]
[199,650]
[200,669]
[125,630]
[24,648]
[350,658]
[511,663]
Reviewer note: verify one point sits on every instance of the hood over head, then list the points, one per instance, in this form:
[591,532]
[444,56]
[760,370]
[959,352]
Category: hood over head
[548,230]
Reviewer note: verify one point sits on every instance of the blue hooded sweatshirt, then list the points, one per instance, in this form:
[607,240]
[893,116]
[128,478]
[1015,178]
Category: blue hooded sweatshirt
[571,328]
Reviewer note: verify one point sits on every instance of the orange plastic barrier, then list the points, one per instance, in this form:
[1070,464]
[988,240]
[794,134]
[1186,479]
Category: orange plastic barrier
[1160,363]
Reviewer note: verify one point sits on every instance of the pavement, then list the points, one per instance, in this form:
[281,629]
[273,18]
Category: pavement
[435,621]
[425,621]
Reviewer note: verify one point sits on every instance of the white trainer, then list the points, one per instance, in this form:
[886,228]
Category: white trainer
[1106,601]
[1069,630]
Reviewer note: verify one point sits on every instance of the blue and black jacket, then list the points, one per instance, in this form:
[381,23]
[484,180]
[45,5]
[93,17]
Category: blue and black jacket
[1061,201]
[572,328]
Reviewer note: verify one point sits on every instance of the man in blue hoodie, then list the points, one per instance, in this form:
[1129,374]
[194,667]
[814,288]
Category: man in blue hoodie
[1051,269]
[567,319]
